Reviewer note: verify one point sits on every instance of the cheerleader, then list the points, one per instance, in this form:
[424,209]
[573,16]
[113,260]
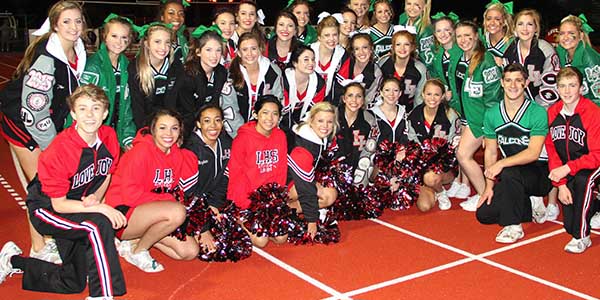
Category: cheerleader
[34,106]
[433,119]
[173,12]
[225,20]
[402,65]
[301,9]
[356,137]
[266,145]
[361,9]
[575,50]
[391,115]
[212,147]
[382,30]
[416,15]
[284,41]
[153,74]
[107,68]
[312,137]
[247,19]
[251,75]
[302,87]
[347,27]
[475,83]
[143,189]
[203,78]
[329,55]
[498,28]
[361,67]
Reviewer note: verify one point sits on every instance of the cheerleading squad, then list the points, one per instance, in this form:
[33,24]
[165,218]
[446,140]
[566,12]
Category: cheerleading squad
[211,141]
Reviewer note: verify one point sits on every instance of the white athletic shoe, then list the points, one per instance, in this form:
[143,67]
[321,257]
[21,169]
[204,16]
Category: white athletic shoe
[443,201]
[538,209]
[471,203]
[9,250]
[552,212]
[464,191]
[595,222]
[510,234]
[451,192]
[578,245]
[49,253]
[144,261]
[123,247]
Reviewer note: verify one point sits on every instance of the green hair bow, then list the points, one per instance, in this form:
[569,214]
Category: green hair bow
[290,2]
[114,16]
[144,29]
[451,15]
[200,30]
[185,3]
[372,6]
[584,24]
[508,5]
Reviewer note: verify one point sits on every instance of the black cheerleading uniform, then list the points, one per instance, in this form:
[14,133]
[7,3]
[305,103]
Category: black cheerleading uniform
[371,77]
[164,94]
[273,56]
[71,168]
[34,106]
[572,140]
[296,104]
[446,125]
[391,130]
[542,65]
[413,80]
[196,90]
[328,71]
[351,139]
[304,155]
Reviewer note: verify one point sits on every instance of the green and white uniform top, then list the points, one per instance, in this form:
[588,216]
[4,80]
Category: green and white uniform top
[497,49]
[381,40]
[513,135]
[425,39]
[180,45]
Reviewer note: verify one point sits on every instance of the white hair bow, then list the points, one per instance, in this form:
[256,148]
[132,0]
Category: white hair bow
[44,29]
[411,29]
[325,14]
[261,17]
[359,79]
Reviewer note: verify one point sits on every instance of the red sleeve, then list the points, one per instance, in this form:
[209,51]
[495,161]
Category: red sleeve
[109,139]
[239,184]
[301,163]
[320,95]
[553,158]
[591,120]
[189,170]
[56,166]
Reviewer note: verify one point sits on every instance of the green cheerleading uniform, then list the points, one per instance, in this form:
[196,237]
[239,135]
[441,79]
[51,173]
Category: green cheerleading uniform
[425,39]
[441,63]
[587,61]
[382,41]
[499,48]
[513,135]
[181,46]
[309,35]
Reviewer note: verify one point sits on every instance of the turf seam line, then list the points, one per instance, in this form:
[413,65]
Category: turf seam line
[299,274]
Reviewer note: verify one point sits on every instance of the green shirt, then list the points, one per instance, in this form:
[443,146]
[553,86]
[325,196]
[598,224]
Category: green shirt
[425,39]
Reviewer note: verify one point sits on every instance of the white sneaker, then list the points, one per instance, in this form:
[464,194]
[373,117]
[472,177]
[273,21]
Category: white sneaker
[9,250]
[49,253]
[510,234]
[578,245]
[464,191]
[538,209]
[443,201]
[123,247]
[451,192]
[471,203]
[595,222]
[144,261]
[552,212]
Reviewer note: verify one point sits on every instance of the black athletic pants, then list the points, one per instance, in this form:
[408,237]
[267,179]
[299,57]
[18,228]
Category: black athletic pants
[577,216]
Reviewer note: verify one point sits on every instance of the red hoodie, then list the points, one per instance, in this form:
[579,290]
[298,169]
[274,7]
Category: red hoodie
[255,160]
[147,174]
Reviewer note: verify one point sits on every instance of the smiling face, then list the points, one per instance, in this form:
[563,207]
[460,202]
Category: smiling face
[444,32]
[302,13]
[569,36]
[390,92]
[246,17]
[158,44]
[226,22]
[432,96]
[360,7]
[514,84]
[117,38]
[362,50]
[165,132]
[329,37]
[173,14]
[414,8]
[466,38]
[210,123]
[267,118]
[306,62]
[526,27]
[569,90]
[353,98]
[210,54]
[69,25]
[322,123]
[494,21]
[249,51]
[89,115]
[349,23]
[285,28]
[403,47]
[383,13]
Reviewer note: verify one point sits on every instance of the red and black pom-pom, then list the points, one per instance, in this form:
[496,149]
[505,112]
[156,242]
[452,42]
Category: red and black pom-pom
[268,213]
[327,230]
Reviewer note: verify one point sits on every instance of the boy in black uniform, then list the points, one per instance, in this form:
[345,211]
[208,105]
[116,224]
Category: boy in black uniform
[65,200]
[518,126]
